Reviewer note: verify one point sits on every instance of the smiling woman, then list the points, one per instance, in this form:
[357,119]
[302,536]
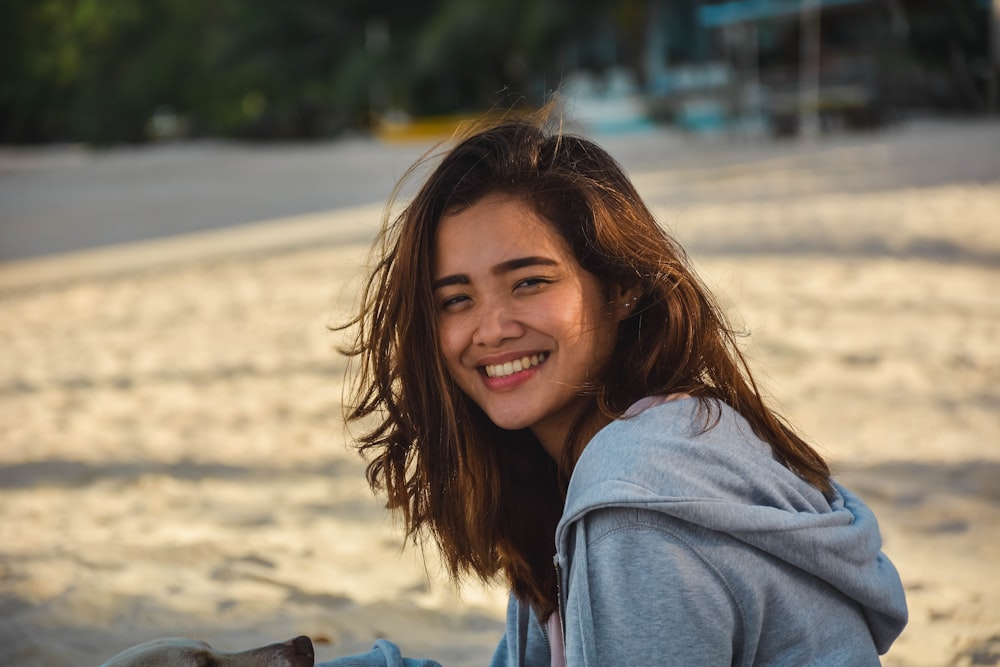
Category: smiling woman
[522,325]
[559,402]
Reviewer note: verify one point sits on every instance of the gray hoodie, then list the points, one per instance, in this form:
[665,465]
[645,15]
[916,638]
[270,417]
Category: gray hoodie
[680,546]
[684,546]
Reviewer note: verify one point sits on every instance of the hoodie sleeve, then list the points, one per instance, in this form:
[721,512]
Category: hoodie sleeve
[383,654]
[525,643]
[640,594]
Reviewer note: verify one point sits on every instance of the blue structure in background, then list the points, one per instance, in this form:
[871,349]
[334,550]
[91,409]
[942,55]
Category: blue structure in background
[784,67]
[726,13]
[707,70]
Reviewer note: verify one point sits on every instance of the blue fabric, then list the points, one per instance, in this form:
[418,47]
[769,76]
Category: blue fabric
[383,654]
[525,641]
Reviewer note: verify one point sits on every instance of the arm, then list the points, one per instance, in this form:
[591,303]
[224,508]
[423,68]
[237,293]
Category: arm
[640,592]
[383,654]
[524,640]
[524,643]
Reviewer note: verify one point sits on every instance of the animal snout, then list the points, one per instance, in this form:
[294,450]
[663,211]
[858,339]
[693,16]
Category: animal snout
[300,652]
[303,646]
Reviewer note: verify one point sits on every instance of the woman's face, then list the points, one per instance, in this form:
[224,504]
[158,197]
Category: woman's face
[522,325]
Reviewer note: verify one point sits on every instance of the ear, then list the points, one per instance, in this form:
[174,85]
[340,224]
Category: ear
[625,299]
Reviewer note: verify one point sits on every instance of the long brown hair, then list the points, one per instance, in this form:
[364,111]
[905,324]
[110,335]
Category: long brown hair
[490,499]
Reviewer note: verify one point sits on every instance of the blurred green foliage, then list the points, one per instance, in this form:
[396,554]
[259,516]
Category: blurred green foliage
[99,70]
[94,70]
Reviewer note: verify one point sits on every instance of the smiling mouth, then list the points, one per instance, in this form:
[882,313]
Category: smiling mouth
[515,366]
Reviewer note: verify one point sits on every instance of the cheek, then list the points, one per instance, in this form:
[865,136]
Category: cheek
[450,345]
[580,320]
[600,327]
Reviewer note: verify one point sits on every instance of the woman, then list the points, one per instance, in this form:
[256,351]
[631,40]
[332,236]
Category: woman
[557,400]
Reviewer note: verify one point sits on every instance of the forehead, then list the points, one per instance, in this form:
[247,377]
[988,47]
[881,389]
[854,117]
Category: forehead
[497,227]
[498,208]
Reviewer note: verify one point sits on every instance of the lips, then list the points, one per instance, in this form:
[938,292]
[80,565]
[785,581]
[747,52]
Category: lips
[515,365]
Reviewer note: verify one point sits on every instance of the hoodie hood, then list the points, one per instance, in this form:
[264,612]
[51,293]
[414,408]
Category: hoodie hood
[725,479]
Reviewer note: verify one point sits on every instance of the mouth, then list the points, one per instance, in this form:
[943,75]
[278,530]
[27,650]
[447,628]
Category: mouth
[515,365]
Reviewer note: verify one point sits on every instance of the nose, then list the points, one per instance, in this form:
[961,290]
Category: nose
[495,324]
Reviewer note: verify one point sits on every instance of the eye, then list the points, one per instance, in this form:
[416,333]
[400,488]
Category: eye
[453,302]
[531,284]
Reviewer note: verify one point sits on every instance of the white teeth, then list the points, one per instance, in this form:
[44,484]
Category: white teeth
[515,366]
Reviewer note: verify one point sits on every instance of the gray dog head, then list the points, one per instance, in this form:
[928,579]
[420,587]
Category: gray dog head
[175,652]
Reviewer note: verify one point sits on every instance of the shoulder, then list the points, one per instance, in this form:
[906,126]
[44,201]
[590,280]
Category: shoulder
[677,425]
[681,452]
[672,447]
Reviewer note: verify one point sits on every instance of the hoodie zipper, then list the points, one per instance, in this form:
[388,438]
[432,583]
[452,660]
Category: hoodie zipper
[559,602]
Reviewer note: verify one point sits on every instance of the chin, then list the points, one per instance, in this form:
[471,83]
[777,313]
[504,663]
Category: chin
[509,422]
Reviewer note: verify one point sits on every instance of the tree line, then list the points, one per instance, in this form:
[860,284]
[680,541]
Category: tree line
[98,71]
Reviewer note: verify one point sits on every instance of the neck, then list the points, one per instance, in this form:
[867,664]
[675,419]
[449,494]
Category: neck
[554,438]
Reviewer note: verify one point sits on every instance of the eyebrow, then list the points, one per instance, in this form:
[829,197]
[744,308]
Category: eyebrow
[501,268]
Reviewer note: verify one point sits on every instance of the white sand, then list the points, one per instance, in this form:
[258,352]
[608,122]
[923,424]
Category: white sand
[172,462]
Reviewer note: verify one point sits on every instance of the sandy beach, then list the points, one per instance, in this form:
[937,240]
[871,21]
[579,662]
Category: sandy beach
[172,459]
